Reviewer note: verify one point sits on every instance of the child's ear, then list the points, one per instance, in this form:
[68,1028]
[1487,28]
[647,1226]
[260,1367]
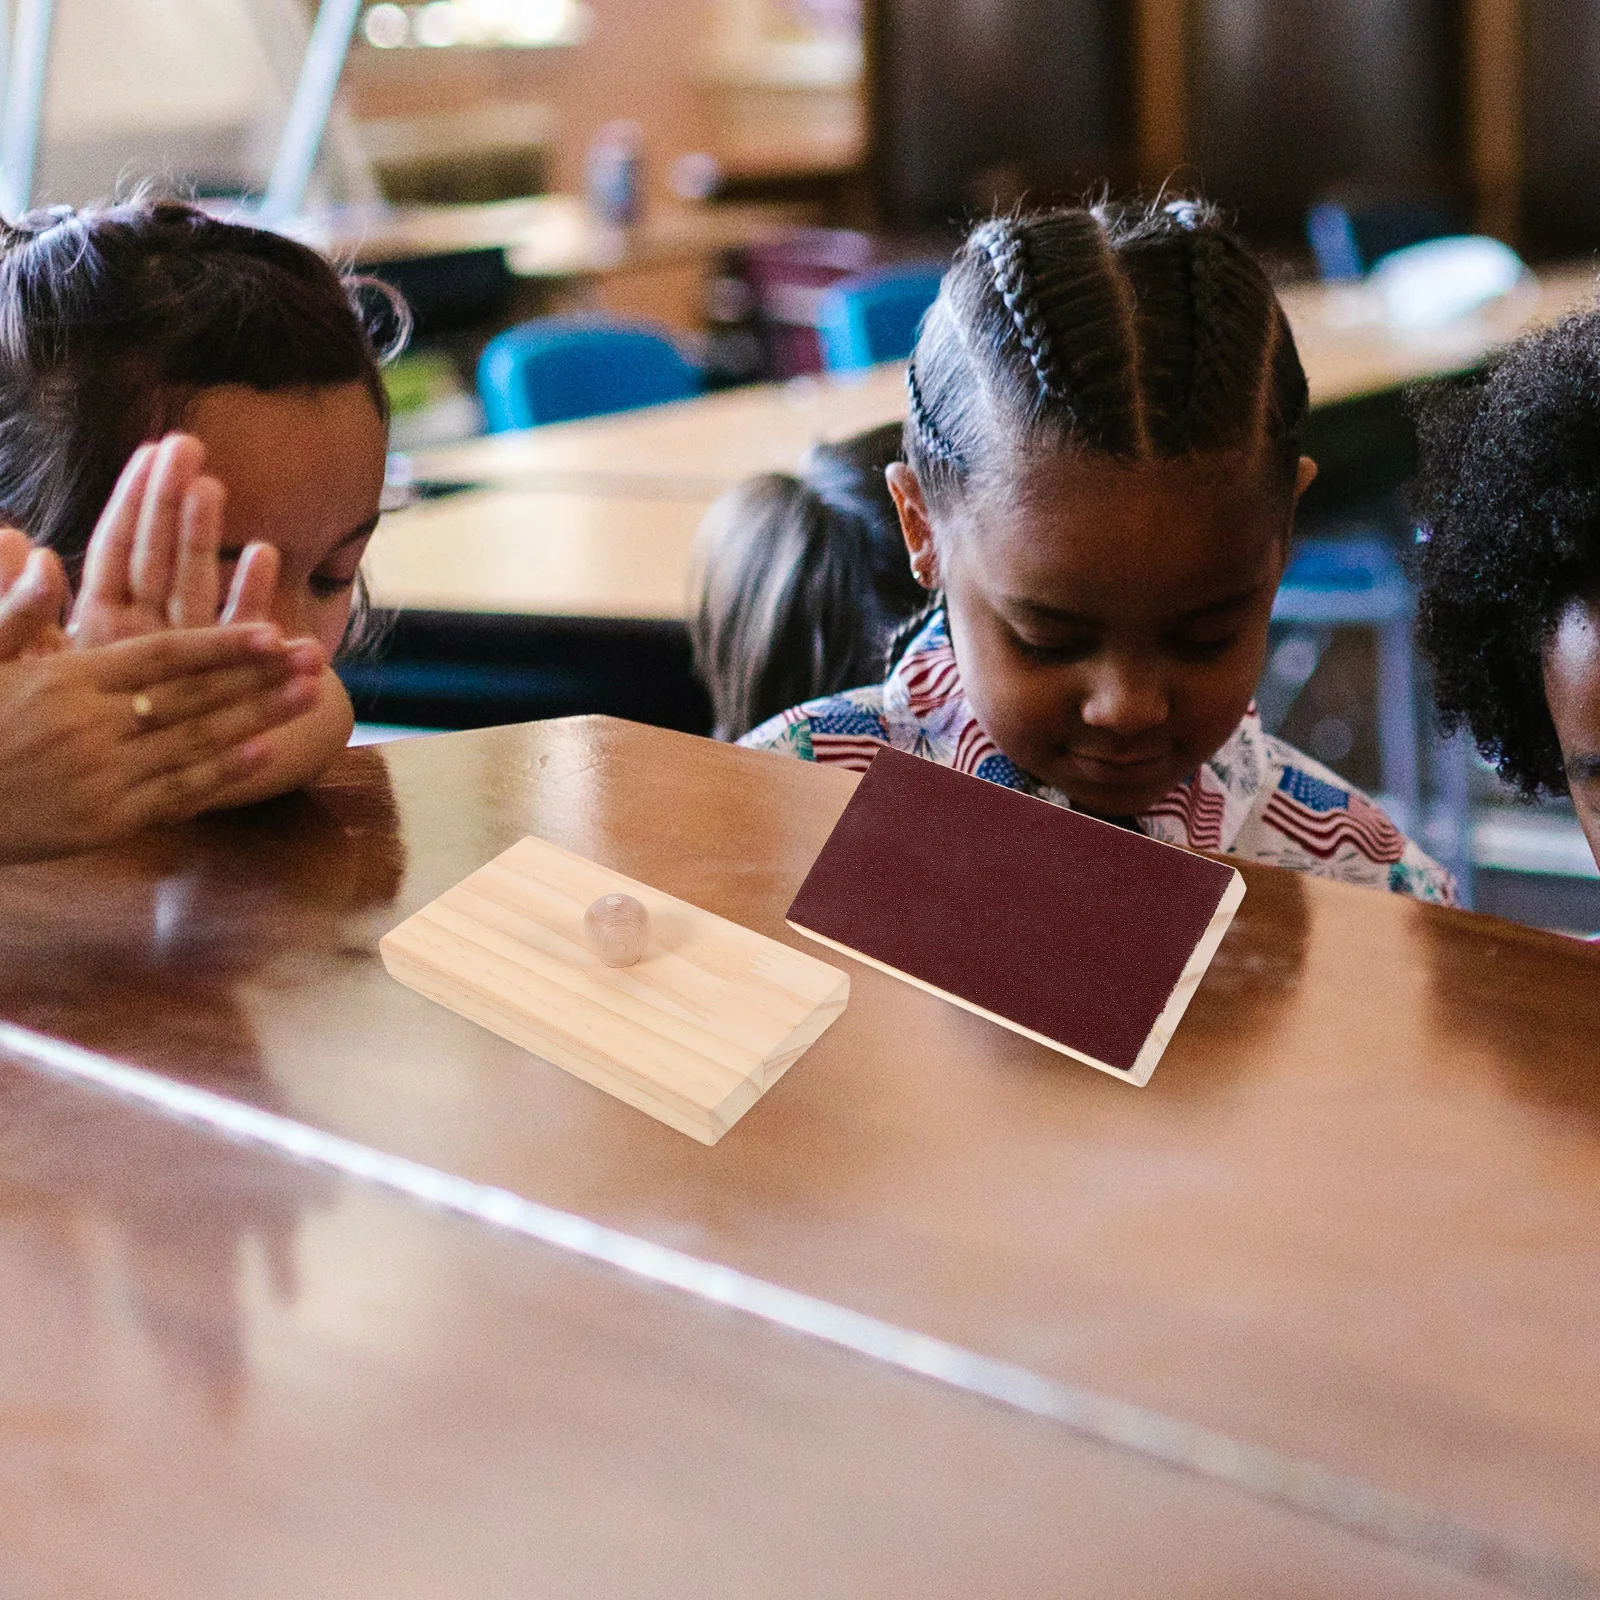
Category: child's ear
[915,527]
[1305,476]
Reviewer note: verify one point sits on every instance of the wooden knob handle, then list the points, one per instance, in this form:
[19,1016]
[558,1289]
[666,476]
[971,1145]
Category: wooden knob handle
[617,928]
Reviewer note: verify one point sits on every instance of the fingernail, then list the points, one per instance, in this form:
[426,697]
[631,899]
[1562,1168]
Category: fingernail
[306,657]
[264,637]
[299,691]
[252,753]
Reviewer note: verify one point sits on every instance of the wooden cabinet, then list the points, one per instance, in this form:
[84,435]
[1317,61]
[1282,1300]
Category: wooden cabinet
[1561,125]
[1289,99]
[977,102]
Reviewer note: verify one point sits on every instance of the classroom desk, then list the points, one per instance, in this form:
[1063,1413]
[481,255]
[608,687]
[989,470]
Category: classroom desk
[702,445]
[225,1374]
[550,552]
[563,529]
[713,442]
[1354,1218]
[543,236]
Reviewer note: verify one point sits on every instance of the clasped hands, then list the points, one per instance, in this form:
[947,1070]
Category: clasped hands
[148,696]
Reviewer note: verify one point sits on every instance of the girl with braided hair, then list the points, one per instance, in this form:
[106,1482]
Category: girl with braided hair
[193,421]
[1102,466]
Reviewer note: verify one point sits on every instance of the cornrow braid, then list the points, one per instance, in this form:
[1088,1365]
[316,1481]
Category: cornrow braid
[1006,246]
[926,430]
[1140,333]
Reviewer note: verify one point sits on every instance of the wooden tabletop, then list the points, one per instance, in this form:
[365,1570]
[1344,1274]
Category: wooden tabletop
[713,442]
[530,545]
[703,445]
[222,1373]
[1354,1219]
[545,236]
[545,552]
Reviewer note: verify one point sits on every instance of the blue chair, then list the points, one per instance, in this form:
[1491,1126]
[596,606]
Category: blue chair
[1332,583]
[1347,239]
[559,368]
[862,321]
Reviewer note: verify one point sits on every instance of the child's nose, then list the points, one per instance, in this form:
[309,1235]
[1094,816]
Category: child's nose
[1125,701]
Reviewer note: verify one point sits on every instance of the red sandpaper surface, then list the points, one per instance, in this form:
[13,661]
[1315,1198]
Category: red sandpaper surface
[1069,926]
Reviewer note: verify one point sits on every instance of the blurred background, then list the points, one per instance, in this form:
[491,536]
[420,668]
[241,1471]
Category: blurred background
[713,167]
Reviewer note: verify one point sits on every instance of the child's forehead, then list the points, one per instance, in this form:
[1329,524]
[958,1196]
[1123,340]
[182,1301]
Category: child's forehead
[1096,516]
[298,464]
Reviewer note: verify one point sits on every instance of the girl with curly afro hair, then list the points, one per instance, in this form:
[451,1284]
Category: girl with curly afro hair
[1509,614]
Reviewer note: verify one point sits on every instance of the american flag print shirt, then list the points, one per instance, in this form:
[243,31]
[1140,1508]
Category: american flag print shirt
[1257,798]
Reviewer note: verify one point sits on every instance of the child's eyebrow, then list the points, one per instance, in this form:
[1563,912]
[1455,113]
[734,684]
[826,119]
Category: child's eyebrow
[367,528]
[1230,602]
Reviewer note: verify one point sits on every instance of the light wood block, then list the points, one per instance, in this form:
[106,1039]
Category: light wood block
[694,1033]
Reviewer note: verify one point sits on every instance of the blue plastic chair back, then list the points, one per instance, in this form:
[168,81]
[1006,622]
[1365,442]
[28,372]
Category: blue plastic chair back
[1347,239]
[559,368]
[862,321]
[1334,581]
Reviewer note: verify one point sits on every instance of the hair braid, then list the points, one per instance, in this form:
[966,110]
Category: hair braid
[1006,245]
[934,443]
[1134,332]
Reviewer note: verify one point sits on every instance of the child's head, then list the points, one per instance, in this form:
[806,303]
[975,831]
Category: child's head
[801,583]
[1104,458]
[120,325]
[1510,569]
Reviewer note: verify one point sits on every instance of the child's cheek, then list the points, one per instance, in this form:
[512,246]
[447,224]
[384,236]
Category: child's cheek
[331,622]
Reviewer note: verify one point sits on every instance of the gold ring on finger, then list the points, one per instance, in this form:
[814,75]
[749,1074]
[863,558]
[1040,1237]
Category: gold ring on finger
[143,707]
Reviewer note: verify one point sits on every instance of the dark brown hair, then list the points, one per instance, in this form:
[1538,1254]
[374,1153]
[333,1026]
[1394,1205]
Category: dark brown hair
[1137,332]
[801,582]
[110,319]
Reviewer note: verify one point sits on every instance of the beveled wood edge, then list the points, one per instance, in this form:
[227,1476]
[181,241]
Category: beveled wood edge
[1200,958]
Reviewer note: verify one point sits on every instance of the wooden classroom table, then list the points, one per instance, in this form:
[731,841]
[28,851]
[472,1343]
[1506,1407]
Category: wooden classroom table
[596,518]
[539,552]
[710,443]
[544,236]
[1354,1219]
[224,1374]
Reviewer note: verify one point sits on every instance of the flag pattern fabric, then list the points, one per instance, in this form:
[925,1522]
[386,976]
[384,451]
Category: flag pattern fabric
[1257,798]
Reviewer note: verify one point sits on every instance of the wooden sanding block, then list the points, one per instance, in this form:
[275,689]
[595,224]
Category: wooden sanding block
[1079,934]
[693,1030]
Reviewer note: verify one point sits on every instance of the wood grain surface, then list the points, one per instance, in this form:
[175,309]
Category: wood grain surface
[692,1034]
[1354,1218]
[225,1374]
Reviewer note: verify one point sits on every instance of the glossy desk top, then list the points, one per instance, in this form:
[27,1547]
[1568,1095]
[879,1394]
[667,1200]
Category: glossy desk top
[713,442]
[703,445]
[1355,1216]
[222,1374]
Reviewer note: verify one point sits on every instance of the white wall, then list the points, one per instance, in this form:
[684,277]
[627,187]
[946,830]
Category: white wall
[175,90]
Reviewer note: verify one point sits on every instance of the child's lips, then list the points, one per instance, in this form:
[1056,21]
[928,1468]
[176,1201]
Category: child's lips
[1120,768]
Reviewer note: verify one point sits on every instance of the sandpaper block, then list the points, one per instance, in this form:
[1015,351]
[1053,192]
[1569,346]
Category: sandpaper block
[1084,936]
[694,1032]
